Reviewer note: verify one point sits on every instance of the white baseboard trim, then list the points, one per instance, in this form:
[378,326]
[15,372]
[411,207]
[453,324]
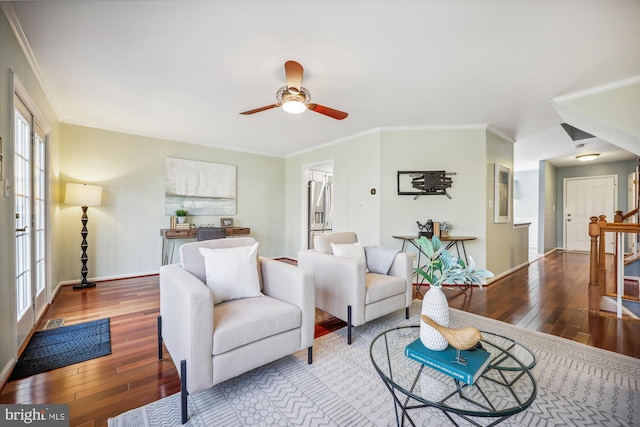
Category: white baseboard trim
[106,278]
[4,377]
[508,272]
[551,251]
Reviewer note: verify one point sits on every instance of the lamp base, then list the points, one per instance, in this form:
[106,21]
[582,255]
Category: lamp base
[84,285]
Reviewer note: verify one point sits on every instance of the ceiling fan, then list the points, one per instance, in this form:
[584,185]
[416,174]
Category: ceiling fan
[293,98]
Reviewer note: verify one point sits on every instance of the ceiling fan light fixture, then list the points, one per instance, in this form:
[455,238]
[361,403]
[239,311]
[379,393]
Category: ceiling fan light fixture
[587,157]
[294,107]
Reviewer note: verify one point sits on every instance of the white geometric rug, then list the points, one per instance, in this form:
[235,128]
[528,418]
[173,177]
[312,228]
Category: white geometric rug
[578,385]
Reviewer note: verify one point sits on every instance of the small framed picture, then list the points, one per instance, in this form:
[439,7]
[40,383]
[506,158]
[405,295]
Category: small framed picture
[226,222]
[502,194]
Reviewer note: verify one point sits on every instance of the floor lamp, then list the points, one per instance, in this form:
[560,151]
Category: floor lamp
[85,196]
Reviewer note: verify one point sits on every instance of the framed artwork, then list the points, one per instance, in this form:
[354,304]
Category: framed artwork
[226,222]
[502,194]
[201,188]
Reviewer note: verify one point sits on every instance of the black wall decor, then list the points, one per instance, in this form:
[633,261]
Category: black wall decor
[424,183]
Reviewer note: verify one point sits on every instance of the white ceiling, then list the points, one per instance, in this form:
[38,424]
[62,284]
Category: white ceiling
[183,70]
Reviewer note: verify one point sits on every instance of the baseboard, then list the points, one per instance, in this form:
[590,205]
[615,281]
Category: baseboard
[508,272]
[107,278]
[4,377]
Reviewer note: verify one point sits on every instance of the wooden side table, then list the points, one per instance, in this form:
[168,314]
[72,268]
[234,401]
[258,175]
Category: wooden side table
[169,237]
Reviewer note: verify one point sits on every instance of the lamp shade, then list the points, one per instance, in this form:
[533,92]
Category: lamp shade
[83,194]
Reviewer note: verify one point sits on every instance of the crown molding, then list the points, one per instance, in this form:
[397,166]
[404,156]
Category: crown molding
[152,135]
[484,127]
[500,134]
[595,90]
[14,23]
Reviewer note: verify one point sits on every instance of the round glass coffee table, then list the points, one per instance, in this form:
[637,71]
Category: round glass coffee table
[505,388]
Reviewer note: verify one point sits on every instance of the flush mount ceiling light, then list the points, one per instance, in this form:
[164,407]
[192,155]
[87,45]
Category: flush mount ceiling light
[587,157]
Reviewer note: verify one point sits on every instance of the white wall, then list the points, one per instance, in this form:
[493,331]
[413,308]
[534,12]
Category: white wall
[124,233]
[507,247]
[356,169]
[456,150]
[373,160]
[616,107]
[12,58]
[547,238]
[525,205]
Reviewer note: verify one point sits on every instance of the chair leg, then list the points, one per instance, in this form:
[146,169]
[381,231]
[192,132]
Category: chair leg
[310,355]
[183,390]
[349,324]
[406,313]
[159,337]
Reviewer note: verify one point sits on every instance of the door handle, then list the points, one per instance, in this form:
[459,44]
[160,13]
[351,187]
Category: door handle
[23,229]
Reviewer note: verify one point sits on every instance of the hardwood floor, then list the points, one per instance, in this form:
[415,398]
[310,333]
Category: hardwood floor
[549,296]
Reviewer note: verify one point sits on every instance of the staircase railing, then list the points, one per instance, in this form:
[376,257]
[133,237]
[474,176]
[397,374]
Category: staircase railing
[598,287]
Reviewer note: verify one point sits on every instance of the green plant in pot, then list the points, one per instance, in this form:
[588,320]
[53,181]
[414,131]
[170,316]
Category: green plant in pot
[181,214]
[442,268]
[445,227]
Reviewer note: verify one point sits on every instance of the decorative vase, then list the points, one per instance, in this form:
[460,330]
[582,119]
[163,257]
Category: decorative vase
[436,306]
[181,219]
[444,233]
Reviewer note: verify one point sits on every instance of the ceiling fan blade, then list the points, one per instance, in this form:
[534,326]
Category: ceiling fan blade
[294,75]
[257,110]
[336,114]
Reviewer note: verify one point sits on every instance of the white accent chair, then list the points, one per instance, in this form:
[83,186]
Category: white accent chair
[347,291]
[222,341]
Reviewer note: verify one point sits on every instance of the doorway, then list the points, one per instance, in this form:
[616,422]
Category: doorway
[30,187]
[318,188]
[584,198]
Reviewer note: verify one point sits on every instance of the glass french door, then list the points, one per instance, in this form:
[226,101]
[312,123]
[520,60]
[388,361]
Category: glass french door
[29,188]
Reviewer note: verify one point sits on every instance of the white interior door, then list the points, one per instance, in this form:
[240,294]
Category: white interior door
[29,189]
[584,198]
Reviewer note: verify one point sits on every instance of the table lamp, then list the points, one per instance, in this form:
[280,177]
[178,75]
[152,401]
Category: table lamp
[85,196]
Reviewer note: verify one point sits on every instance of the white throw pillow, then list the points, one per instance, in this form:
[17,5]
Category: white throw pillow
[232,273]
[353,251]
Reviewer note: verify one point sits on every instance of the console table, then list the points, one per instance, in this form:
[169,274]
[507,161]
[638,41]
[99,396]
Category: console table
[451,241]
[169,237]
[505,388]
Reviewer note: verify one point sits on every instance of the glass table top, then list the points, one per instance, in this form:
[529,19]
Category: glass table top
[506,387]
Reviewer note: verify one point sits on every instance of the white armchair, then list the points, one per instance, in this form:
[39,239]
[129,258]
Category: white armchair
[213,343]
[347,291]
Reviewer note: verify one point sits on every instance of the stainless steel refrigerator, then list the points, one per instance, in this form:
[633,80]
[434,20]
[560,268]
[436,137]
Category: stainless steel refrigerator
[320,201]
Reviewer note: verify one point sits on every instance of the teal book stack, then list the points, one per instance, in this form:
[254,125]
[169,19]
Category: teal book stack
[442,361]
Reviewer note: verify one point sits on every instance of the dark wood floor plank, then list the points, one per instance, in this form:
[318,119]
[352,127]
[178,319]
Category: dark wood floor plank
[549,296]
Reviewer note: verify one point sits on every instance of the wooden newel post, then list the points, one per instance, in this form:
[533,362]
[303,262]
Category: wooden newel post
[594,285]
[618,217]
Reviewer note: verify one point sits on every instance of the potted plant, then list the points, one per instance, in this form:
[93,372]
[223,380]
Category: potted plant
[445,226]
[442,268]
[181,214]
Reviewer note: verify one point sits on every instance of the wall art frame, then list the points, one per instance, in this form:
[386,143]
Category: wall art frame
[202,188]
[502,192]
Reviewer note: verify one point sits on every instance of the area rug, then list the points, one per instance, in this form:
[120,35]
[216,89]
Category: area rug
[578,385]
[55,348]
